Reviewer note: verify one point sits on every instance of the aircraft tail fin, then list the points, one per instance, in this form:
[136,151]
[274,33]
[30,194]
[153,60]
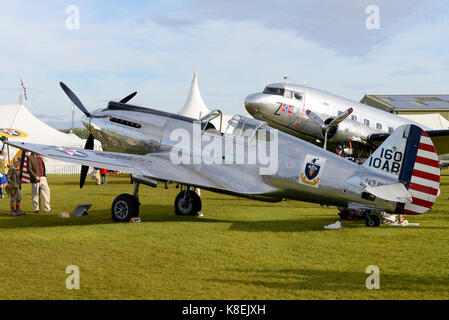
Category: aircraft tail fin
[409,154]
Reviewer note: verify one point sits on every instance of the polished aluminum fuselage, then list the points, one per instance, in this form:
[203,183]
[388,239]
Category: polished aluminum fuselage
[364,120]
[136,131]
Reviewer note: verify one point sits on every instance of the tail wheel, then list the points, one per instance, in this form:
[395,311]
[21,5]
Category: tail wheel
[124,207]
[187,203]
[372,221]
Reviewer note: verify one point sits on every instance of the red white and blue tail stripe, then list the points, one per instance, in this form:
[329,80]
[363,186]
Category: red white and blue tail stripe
[420,173]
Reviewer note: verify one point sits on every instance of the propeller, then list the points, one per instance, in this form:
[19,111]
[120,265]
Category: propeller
[129,97]
[327,127]
[90,140]
[84,169]
[80,105]
[75,99]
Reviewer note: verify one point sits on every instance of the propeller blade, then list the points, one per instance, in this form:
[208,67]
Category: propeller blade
[340,118]
[315,118]
[127,98]
[89,143]
[84,169]
[75,99]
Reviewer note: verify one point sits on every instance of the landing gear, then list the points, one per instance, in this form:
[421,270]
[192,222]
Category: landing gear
[187,203]
[347,214]
[126,206]
[372,220]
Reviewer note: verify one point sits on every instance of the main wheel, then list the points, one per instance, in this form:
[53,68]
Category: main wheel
[372,221]
[124,207]
[187,204]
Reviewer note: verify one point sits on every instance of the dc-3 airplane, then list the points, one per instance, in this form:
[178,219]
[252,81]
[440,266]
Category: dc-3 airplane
[402,176]
[315,115]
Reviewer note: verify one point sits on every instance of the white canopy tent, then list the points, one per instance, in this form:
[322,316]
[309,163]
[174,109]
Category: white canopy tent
[31,129]
[195,107]
[432,120]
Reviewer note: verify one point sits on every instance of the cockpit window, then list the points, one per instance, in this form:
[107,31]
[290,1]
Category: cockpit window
[246,127]
[298,95]
[288,94]
[277,91]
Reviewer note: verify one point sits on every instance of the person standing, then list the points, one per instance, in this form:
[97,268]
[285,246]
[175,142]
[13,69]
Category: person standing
[3,180]
[103,173]
[14,188]
[38,179]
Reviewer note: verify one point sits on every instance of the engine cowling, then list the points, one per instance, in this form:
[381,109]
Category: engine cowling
[346,130]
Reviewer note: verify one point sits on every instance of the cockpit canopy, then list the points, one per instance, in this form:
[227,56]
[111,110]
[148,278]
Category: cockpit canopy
[242,126]
[287,93]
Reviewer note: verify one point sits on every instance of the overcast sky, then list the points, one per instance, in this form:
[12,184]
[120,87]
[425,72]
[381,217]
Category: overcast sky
[236,46]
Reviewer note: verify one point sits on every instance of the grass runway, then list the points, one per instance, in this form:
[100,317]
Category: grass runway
[240,249]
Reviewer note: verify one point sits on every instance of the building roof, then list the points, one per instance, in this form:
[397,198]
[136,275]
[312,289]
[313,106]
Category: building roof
[389,102]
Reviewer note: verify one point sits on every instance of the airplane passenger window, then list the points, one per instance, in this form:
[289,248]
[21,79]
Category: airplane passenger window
[277,91]
[378,126]
[354,118]
[298,95]
[390,129]
[366,122]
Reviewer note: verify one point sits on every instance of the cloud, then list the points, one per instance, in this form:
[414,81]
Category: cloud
[339,25]
[236,47]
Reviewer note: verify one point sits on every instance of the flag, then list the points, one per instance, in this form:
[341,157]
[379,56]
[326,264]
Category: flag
[288,108]
[24,89]
[25,173]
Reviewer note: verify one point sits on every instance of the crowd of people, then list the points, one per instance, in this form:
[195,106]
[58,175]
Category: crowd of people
[11,184]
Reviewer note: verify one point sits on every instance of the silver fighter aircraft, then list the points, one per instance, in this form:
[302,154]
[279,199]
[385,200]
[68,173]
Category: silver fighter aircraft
[318,116]
[401,177]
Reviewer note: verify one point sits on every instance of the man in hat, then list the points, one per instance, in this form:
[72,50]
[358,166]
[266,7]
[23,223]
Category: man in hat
[38,179]
[340,152]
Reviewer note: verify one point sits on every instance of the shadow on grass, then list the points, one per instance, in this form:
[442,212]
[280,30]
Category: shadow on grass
[311,279]
[162,213]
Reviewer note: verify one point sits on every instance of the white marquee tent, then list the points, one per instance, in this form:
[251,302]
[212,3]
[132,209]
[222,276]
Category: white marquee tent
[195,107]
[432,120]
[32,130]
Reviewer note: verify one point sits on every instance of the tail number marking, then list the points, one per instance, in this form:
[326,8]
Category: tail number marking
[389,160]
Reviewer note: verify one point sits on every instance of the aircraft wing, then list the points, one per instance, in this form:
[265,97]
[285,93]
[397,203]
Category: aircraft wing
[440,139]
[158,166]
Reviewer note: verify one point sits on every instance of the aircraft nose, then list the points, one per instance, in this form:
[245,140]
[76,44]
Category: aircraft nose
[254,103]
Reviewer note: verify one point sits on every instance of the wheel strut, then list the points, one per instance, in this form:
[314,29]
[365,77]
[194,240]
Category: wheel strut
[136,189]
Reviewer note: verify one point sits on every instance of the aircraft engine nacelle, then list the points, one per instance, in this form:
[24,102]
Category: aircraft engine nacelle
[345,130]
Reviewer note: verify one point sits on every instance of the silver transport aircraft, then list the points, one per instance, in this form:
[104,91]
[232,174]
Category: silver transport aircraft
[401,177]
[310,113]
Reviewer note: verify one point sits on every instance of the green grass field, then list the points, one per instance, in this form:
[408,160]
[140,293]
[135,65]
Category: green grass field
[240,249]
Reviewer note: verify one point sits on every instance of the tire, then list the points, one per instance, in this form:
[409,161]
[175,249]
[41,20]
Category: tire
[189,207]
[124,207]
[373,221]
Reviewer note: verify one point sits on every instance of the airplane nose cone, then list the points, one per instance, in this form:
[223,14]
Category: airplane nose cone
[253,103]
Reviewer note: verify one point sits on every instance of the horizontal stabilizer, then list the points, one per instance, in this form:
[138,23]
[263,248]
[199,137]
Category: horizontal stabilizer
[396,192]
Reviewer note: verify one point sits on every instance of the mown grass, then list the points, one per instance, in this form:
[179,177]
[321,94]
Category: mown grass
[240,249]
